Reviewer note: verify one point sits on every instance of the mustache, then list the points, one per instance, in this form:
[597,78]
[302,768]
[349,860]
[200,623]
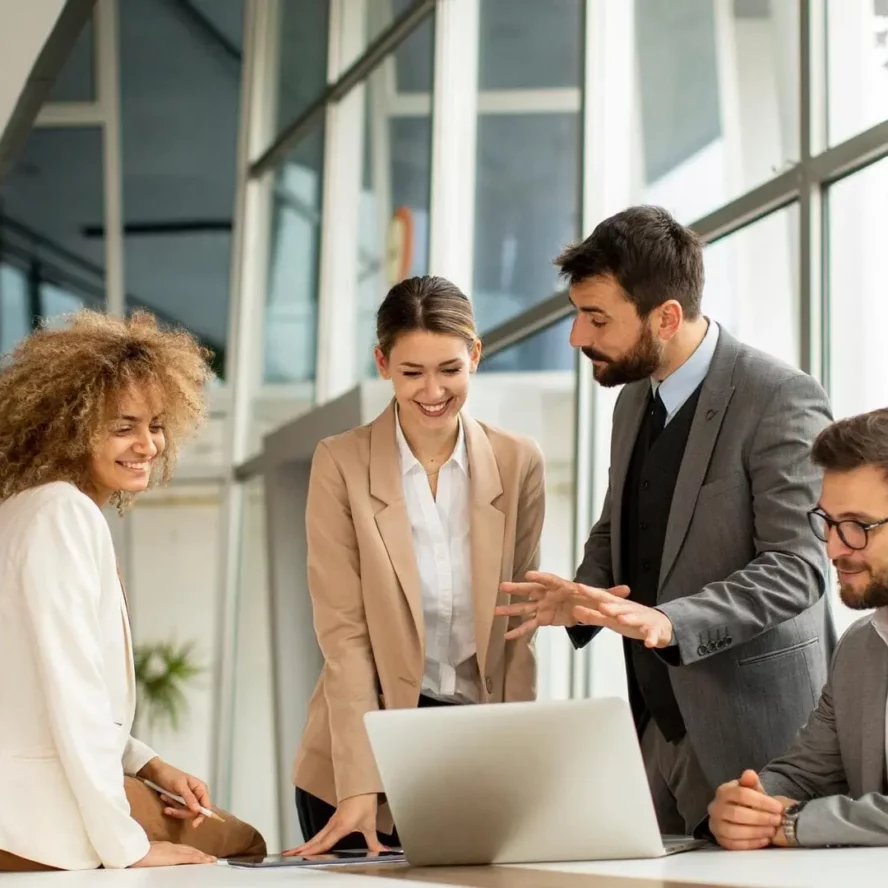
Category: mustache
[848,566]
[593,355]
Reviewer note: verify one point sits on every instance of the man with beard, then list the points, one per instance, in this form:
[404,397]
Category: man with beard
[829,789]
[702,558]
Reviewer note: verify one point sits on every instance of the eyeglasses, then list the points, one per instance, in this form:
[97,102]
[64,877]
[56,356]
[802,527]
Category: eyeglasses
[854,534]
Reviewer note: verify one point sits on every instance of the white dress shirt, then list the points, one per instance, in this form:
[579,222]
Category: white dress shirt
[880,624]
[676,388]
[441,544]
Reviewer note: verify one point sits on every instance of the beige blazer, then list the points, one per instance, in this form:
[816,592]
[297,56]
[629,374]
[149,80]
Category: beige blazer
[366,593]
[67,686]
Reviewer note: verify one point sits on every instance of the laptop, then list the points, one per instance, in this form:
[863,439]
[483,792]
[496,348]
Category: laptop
[518,783]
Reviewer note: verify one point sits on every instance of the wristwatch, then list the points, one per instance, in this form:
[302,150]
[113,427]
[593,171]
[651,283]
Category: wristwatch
[789,821]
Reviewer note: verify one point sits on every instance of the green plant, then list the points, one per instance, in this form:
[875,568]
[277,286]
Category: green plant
[162,671]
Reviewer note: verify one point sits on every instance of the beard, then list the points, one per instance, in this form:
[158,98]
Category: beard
[874,594]
[640,362]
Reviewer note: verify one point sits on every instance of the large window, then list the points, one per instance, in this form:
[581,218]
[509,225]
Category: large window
[301,43]
[857,58]
[77,81]
[51,237]
[291,305]
[717,99]
[528,196]
[752,286]
[393,234]
[180,74]
[858,308]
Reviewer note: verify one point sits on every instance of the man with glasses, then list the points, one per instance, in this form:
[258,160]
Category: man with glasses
[830,789]
[702,558]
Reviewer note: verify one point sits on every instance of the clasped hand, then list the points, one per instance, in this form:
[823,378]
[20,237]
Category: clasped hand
[553,601]
[742,816]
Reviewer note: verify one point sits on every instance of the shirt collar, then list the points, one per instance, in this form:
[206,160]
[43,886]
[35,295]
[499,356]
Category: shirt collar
[409,462]
[676,388]
[880,622]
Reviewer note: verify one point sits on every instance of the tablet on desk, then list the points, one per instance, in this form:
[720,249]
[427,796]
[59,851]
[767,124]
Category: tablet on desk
[332,858]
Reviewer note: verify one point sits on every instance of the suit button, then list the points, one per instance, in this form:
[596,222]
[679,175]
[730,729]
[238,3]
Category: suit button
[645,485]
[720,644]
[646,564]
[488,683]
[711,647]
[728,640]
[644,525]
[702,650]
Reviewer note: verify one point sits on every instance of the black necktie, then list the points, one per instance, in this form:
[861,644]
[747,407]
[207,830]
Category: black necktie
[657,420]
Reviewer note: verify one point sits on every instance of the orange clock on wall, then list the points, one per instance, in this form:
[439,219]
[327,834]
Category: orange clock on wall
[399,246]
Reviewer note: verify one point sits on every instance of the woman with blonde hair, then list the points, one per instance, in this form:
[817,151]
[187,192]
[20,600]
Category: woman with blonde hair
[91,413]
[413,521]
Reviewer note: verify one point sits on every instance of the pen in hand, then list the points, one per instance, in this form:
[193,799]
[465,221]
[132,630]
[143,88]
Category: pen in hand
[177,798]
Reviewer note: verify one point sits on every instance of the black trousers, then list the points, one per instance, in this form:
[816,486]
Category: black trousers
[314,813]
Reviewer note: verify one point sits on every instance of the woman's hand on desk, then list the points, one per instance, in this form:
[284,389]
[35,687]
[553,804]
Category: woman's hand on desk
[354,815]
[168,854]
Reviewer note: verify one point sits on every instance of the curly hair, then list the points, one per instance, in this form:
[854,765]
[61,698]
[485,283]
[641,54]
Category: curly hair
[58,384]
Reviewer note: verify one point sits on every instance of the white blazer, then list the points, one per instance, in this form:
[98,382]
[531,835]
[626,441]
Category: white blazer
[67,686]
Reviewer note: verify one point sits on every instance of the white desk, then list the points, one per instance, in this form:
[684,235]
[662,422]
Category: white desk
[852,867]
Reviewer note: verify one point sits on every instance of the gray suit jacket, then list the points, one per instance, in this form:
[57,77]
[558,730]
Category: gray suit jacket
[742,575]
[838,759]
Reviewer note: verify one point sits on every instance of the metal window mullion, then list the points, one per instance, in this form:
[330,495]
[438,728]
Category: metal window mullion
[248,260]
[454,141]
[812,140]
[108,92]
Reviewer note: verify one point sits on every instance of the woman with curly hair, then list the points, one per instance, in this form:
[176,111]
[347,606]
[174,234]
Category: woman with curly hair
[91,413]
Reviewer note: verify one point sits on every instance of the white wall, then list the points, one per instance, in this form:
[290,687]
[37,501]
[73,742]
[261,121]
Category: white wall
[24,29]
[170,567]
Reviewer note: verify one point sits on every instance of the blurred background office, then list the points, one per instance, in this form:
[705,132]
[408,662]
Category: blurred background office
[261,172]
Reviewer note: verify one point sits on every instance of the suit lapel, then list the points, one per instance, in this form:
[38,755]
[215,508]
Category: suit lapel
[128,647]
[710,413]
[624,436]
[873,694]
[487,529]
[392,521]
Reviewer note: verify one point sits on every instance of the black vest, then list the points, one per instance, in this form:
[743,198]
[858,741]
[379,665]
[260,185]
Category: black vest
[647,499]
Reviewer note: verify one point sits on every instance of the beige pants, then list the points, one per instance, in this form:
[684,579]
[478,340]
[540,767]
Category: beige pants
[213,837]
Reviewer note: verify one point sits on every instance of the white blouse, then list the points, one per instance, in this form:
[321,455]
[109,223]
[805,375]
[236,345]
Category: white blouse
[441,544]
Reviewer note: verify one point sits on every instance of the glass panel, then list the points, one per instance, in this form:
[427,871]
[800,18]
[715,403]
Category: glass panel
[547,350]
[302,56]
[414,57]
[254,789]
[180,102]
[540,403]
[76,82]
[858,310]
[525,44]
[393,237]
[291,304]
[223,22]
[857,68]
[717,88]
[15,313]
[51,228]
[527,206]
[752,284]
